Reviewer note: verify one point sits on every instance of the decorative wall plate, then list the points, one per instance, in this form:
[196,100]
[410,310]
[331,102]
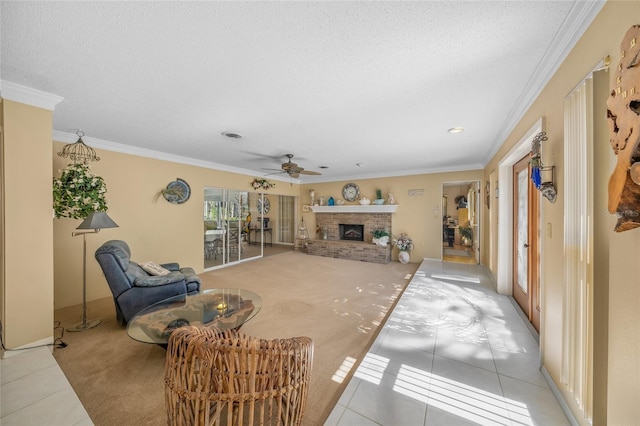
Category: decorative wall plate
[177,192]
[263,206]
[350,192]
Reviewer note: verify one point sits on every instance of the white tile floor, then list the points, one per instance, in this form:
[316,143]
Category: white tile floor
[453,352]
[35,392]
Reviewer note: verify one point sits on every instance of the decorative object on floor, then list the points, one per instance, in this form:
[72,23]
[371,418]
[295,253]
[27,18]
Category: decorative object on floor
[404,244]
[350,192]
[177,192]
[78,192]
[261,183]
[226,377]
[78,152]
[94,222]
[133,288]
[466,236]
[302,236]
[624,121]
[380,237]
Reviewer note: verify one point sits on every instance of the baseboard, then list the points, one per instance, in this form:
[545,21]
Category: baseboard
[46,342]
[556,392]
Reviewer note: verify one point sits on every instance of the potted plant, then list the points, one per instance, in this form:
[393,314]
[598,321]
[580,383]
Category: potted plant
[380,237]
[78,192]
[466,236]
[379,200]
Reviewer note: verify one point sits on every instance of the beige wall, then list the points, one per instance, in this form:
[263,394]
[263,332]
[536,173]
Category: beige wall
[154,229]
[27,281]
[601,39]
[419,216]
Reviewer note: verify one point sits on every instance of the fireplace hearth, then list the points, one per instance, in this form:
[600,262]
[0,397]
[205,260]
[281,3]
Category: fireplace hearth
[351,232]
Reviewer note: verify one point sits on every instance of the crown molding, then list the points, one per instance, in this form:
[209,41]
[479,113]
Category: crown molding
[26,95]
[577,21]
[106,145]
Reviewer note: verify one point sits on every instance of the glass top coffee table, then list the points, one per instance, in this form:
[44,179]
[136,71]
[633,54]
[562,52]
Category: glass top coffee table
[223,308]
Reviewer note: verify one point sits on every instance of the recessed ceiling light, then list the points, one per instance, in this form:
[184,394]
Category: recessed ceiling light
[323,167]
[359,164]
[232,135]
[456,130]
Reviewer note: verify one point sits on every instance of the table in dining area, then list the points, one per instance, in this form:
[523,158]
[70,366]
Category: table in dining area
[223,308]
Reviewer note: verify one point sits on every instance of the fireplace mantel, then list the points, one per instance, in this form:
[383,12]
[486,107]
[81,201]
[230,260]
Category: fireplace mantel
[355,209]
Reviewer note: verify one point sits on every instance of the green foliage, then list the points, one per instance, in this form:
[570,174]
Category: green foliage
[379,233]
[466,232]
[378,194]
[78,192]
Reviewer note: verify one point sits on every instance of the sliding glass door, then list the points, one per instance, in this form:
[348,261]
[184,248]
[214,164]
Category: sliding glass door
[225,226]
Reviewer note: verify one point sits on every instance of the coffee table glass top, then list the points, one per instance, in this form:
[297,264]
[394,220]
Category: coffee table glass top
[223,308]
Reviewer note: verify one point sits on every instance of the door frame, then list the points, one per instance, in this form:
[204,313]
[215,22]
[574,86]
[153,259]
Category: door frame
[528,300]
[504,273]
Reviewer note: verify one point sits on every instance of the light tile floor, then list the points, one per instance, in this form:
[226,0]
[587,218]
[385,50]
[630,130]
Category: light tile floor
[34,392]
[452,352]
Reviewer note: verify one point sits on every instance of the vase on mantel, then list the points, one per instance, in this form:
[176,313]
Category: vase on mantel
[403,257]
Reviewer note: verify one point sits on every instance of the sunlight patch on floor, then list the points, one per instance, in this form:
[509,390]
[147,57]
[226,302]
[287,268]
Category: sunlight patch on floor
[460,399]
[343,370]
[372,368]
[462,278]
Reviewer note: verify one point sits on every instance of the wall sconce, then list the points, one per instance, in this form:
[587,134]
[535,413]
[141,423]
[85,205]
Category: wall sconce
[547,188]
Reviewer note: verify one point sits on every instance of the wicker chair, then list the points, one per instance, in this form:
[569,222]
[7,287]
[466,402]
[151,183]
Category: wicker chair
[222,377]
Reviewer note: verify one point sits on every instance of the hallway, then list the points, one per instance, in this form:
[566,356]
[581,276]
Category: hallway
[452,352]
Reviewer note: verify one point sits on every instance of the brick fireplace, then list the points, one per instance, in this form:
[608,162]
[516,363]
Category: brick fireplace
[370,218]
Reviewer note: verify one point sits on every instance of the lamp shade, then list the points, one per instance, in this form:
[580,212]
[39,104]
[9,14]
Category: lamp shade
[97,220]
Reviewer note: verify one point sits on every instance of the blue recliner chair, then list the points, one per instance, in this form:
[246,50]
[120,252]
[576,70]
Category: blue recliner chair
[133,288]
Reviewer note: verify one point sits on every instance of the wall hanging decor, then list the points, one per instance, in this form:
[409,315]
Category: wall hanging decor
[623,114]
[177,192]
[546,187]
[261,183]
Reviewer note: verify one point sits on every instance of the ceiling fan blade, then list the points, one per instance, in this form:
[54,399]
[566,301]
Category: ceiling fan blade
[294,175]
[309,172]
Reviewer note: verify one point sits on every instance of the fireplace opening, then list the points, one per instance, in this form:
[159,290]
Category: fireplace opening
[351,232]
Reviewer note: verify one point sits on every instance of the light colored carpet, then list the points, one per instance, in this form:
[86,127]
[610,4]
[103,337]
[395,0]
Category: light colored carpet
[339,303]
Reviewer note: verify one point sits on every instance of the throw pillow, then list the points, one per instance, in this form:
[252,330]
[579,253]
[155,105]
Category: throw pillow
[154,268]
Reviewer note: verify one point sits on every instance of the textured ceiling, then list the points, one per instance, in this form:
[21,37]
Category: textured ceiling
[334,83]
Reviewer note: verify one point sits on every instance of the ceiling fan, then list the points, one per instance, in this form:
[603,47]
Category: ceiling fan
[292,169]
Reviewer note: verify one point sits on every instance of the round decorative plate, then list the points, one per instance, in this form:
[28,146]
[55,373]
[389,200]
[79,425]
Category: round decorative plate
[177,192]
[351,192]
[263,206]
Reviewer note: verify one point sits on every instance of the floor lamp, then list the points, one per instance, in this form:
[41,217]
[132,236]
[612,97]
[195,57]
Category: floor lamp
[93,223]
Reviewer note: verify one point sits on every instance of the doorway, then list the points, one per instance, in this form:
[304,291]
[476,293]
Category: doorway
[460,219]
[526,283]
